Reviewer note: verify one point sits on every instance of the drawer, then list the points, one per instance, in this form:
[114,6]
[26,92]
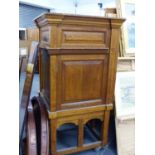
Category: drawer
[84,38]
[75,37]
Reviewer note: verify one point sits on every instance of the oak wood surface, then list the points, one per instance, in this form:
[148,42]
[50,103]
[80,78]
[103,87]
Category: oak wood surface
[33,34]
[82,57]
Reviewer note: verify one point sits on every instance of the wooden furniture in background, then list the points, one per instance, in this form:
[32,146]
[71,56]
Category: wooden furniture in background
[78,58]
[23,57]
[110,12]
[23,44]
[27,90]
[33,34]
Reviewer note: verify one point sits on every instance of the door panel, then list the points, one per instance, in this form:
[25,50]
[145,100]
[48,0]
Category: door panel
[83,80]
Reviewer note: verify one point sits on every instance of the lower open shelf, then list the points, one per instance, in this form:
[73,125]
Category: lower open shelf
[67,137]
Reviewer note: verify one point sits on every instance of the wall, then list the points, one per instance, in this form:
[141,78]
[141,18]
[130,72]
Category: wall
[27,13]
[85,7]
[43,3]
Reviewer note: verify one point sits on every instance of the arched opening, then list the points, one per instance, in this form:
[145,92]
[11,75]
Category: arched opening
[67,136]
[92,131]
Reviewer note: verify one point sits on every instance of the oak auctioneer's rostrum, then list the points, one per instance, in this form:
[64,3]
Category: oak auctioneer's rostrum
[78,57]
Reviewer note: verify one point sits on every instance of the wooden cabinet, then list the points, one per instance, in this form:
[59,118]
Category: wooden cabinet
[78,58]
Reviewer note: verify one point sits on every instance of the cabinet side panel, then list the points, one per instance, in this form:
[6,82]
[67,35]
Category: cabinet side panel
[45,73]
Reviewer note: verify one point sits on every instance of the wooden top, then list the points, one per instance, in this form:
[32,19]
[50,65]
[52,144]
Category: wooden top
[55,18]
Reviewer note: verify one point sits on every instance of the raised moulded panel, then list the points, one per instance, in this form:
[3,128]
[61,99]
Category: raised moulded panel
[45,35]
[83,80]
[79,38]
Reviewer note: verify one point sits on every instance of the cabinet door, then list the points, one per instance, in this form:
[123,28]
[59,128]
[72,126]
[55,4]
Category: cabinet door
[81,80]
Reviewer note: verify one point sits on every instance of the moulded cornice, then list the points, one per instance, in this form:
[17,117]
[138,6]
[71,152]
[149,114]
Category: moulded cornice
[53,18]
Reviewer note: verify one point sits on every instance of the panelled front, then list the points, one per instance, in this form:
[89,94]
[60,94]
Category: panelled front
[82,80]
[78,70]
[76,37]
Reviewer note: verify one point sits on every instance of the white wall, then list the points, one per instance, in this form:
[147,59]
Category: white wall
[63,6]
[84,7]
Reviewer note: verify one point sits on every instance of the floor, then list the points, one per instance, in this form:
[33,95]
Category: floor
[70,133]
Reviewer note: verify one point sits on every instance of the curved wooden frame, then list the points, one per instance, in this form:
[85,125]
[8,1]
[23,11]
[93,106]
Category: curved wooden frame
[31,138]
[42,125]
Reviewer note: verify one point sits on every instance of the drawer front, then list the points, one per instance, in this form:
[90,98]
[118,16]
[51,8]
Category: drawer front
[84,38]
[74,37]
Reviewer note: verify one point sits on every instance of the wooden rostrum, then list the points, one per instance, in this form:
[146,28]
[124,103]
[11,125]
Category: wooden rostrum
[77,68]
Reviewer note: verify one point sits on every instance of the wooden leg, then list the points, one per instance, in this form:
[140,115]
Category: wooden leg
[53,136]
[80,133]
[105,127]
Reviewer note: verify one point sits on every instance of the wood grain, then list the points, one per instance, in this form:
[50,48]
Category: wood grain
[82,53]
